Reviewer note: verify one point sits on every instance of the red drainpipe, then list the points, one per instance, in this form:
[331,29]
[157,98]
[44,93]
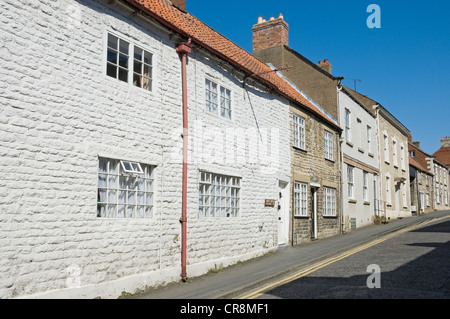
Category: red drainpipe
[183,49]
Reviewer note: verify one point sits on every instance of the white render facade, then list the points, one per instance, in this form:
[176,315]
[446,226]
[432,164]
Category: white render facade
[360,170]
[440,183]
[68,227]
[394,166]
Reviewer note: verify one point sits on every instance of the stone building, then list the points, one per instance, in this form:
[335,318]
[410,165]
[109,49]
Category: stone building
[394,166]
[394,200]
[421,180]
[137,144]
[442,156]
[315,209]
[360,170]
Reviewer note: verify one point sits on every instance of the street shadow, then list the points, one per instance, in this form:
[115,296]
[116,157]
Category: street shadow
[441,228]
[426,277]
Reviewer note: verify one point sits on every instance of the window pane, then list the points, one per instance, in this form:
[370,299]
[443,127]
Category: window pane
[137,67]
[111,70]
[147,84]
[147,58]
[138,53]
[112,56]
[123,75]
[123,61]
[124,47]
[112,41]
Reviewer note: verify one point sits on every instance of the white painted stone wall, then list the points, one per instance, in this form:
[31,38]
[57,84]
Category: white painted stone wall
[396,205]
[358,148]
[60,112]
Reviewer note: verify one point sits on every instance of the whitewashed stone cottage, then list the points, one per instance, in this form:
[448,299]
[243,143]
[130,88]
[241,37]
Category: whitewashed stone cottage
[135,143]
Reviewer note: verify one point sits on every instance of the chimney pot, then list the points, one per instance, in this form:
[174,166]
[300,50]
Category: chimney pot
[260,20]
[325,61]
[271,34]
[320,62]
[280,16]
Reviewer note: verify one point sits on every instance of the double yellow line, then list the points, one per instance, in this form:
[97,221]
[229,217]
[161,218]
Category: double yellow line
[260,291]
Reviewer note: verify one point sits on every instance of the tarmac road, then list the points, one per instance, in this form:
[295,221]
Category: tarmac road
[411,264]
[348,274]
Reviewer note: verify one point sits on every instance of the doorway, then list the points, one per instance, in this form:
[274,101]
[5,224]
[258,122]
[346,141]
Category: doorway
[283,213]
[314,190]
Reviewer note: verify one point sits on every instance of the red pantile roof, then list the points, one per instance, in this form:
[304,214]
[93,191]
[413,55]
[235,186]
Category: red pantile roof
[443,155]
[414,163]
[191,27]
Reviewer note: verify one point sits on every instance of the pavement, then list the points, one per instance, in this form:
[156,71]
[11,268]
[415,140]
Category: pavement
[240,278]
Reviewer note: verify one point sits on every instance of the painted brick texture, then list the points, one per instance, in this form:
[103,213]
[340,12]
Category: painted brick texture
[61,112]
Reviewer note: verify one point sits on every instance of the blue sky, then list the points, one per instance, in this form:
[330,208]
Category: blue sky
[404,65]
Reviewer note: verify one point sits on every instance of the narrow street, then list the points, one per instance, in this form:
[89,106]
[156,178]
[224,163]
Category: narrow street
[414,264]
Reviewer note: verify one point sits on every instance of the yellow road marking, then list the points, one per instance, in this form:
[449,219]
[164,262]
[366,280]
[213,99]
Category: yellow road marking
[259,292]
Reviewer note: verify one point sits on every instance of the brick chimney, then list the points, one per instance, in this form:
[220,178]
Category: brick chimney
[268,34]
[179,4]
[325,65]
[416,144]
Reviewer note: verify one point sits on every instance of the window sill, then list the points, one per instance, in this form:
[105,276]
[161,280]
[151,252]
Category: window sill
[352,201]
[387,162]
[330,160]
[361,150]
[370,154]
[366,203]
[299,149]
[349,143]
[302,217]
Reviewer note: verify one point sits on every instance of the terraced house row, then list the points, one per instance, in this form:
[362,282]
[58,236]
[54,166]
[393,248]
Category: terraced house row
[139,147]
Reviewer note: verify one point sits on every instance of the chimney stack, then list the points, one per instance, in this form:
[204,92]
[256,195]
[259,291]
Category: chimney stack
[416,144]
[445,141]
[179,4]
[272,33]
[325,65]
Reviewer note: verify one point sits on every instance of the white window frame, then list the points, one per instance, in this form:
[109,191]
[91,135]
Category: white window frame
[388,190]
[222,101]
[130,67]
[300,199]
[402,156]
[328,145]
[329,202]
[351,181]
[347,132]
[394,152]
[365,186]
[219,195]
[428,199]
[369,139]
[386,148]
[404,201]
[131,167]
[123,194]
[298,128]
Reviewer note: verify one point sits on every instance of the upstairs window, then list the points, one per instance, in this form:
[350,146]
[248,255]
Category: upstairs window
[118,55]
[298,125]
[215,93]
[129,63]
[369,139]
[328,145]
[347,130]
